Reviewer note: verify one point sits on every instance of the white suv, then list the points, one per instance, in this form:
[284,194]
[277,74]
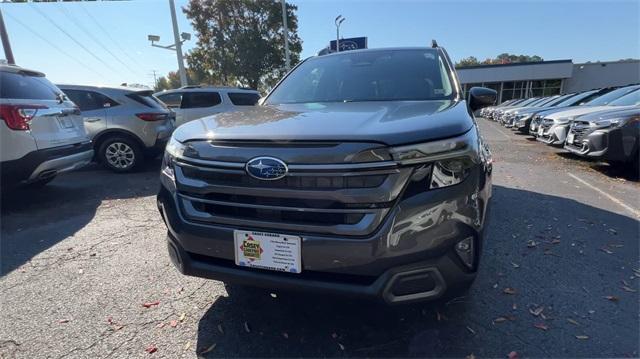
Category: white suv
[41,131]
[193,102]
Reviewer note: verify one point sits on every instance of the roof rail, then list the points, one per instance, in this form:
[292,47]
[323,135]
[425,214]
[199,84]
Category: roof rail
[216,86]
[434,43]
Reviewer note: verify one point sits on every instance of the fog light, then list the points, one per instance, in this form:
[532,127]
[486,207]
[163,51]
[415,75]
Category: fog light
[465,250]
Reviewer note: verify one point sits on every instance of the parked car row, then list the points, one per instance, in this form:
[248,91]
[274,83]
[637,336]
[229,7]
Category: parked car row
[47,129]
[602,124]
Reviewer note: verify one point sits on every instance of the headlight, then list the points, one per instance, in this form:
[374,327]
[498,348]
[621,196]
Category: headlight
[175,148]
[613,122]
[451,159]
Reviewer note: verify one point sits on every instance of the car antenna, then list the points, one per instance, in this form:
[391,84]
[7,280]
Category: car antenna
[434,43]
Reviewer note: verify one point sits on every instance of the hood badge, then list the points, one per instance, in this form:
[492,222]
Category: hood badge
[266,168]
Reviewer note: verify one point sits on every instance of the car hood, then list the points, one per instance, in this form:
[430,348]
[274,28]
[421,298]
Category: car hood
[575,111]
[611,113]
[388,122]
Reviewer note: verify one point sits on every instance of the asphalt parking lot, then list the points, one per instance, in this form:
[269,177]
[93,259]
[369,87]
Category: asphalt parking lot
[85,274]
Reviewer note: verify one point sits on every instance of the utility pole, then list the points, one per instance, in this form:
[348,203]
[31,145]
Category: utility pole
[286,35]
[176,37]
[155,78]
[177,45]
[339,21]
[5,42]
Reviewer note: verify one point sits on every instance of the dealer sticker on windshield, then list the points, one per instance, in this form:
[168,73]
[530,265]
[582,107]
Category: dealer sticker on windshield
[272,251]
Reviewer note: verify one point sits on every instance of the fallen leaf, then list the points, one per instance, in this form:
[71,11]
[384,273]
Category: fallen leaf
[118,327]
[582,337]
[151,349]
[246,327]
[531,243]
[515,265]
[536,311]
[612,298]
[173,323]
[210,348]
[572,321]
[285,335]
[220,329]
[628,289]
[607,251]
[471,330]
[541,326]
[184,315]
[62,321]
[612,231]
[509,291]
[470,356]
[513,355]
[273,295]
[334,335]
[186,346]
[500,320]
[341,346]
[160,325]
[150,304]
[514,306]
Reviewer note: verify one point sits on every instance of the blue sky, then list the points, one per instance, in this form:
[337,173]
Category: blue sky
[579,30]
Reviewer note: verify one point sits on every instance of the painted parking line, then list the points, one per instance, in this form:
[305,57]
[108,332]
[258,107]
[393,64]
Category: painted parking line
[630,209]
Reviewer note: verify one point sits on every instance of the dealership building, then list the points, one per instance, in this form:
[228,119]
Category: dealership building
[532,79]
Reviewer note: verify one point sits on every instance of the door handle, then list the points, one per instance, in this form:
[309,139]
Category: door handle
[92,119]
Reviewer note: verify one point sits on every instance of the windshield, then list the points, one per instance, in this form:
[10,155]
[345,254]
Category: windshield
[548,101]
[560,99]
[613,95]
[632,99]
[575,99]
[385,75]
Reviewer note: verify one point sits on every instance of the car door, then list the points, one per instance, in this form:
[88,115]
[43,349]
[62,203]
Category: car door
[199,104]
[93,106]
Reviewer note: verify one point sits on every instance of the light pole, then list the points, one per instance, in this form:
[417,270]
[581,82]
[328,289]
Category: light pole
[286,36]
[177,45]
[338,21]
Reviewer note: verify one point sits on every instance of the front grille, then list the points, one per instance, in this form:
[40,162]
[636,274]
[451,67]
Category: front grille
[546,124]
[580,130]
[322,199]
[241,179]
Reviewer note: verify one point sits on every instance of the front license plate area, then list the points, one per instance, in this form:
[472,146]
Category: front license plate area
[570,138]
[272,251]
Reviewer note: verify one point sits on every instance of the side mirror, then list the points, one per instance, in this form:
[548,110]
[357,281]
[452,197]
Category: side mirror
[480,97]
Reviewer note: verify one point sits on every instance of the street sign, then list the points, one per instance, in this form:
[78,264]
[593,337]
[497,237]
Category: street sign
[353,43]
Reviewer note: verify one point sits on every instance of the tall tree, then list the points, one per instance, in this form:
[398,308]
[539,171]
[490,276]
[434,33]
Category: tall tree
[504,58]
[241,42]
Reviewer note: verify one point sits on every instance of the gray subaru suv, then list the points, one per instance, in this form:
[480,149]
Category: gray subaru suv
[362,173]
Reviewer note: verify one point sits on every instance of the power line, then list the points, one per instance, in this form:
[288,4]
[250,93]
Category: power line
[72,38]
[109,36]
[30,29]
[79,24]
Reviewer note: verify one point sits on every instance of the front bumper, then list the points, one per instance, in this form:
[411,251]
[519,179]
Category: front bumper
[46,163]
[618,144]
[555,135]
[416,240]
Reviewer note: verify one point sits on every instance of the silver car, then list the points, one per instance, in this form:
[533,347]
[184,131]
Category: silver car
[125,124]
[194,102]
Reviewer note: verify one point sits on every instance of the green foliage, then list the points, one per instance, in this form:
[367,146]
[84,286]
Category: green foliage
[503,58]
[241,42]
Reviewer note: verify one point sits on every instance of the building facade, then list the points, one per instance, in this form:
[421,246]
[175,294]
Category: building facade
[545,78]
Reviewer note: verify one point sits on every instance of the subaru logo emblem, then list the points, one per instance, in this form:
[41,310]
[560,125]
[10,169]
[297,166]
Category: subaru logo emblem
[266,168]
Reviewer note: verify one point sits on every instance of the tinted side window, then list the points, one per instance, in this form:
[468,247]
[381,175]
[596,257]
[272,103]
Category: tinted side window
[147,99]
[22,86]
[200,99]
[89,100]
[244,99]
[172,100]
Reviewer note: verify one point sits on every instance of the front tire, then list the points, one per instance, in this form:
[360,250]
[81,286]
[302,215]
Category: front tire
[120,154]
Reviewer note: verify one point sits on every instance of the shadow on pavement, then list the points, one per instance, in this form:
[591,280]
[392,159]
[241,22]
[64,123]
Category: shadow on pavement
[36,219]
[612,170]
[548,249]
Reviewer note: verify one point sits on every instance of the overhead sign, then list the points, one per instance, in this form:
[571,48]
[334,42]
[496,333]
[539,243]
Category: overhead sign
[353,43]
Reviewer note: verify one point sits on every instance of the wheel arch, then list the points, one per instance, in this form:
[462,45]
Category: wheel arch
[104,135]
